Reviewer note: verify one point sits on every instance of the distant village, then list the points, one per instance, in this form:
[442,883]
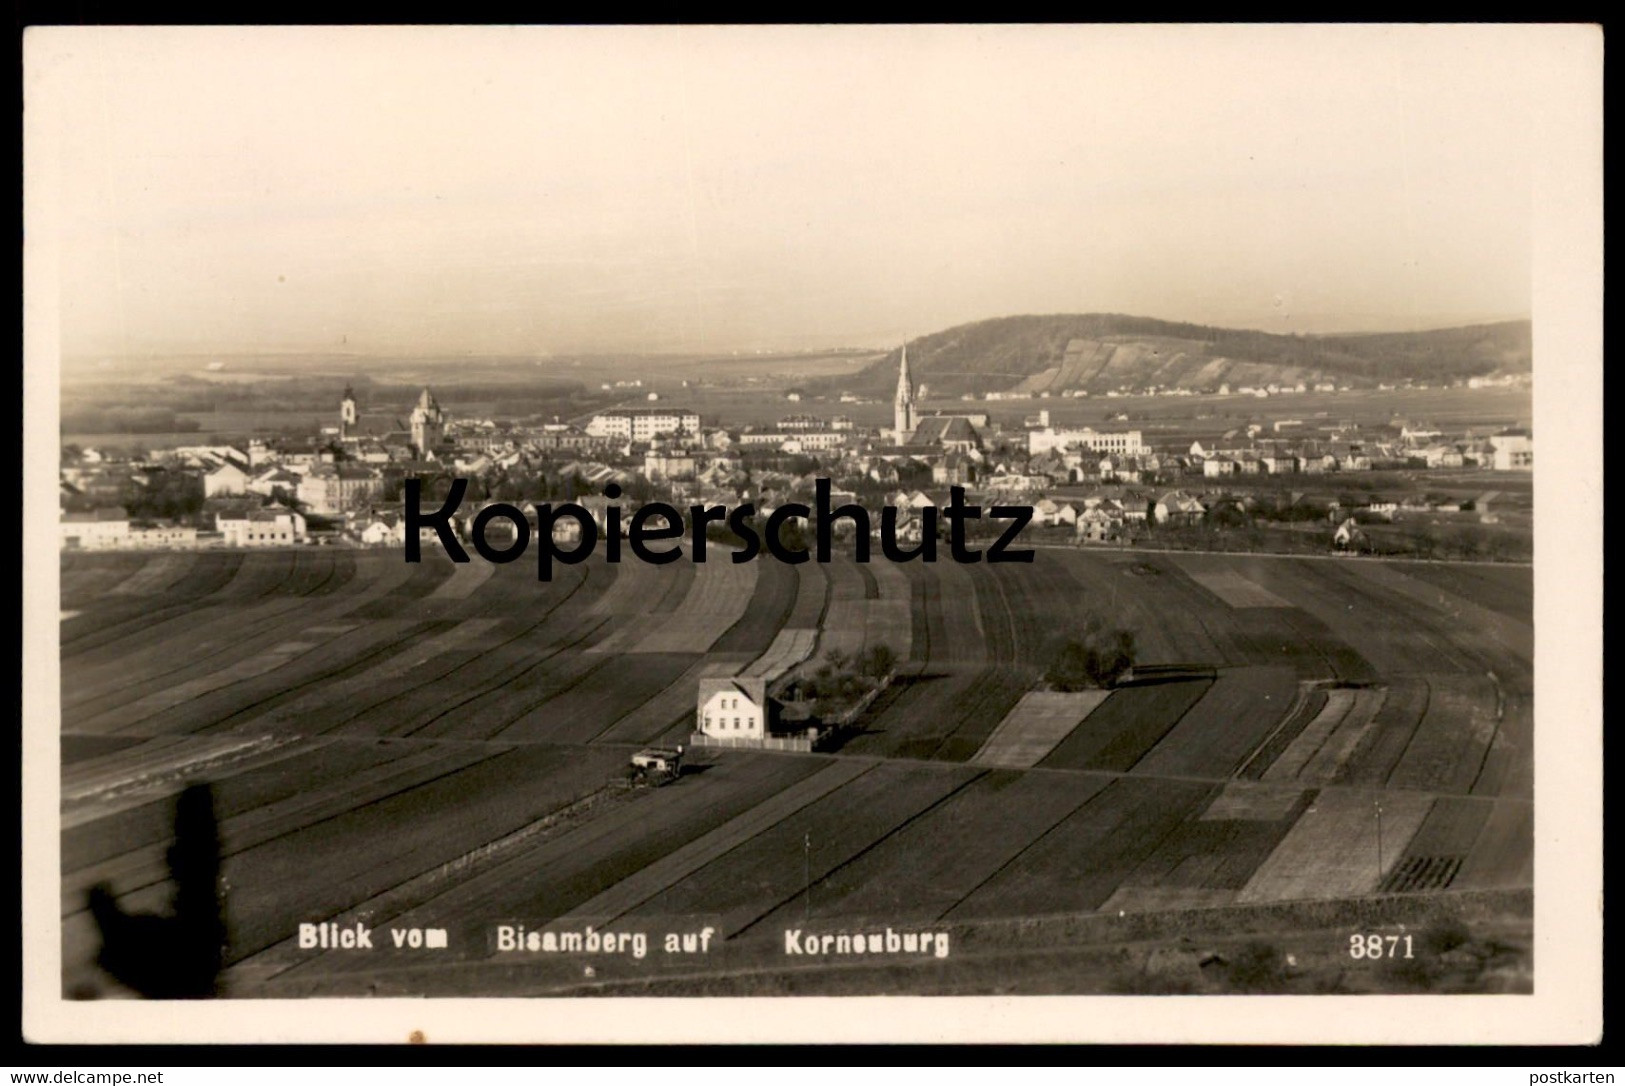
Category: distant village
[343,486]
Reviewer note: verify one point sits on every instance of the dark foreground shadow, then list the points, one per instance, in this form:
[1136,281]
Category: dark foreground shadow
[177,956]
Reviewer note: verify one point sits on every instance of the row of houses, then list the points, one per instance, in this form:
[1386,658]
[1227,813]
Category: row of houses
[111,528]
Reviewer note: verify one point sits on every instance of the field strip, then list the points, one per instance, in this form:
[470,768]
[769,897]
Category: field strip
[722,588]
[1236,590]
[1508,590]
[846,581]
[591,705]
[1436,853]
[244,705]
[890,619]
[740,889]
[715,598]
[134,767]
[239,833]
[254,666]
[399,709]
[1328,762]
[618,642]
[475,703]
[92,580]
[158,574]
[789,648]
[927,866]
[766,613]
[1363,612]
[844,627]
[1508,768]
[1218,853]
[1332,850]
[812,590]
[1249,801]
[651,719]
[634,890]
[1119,732]
[1080,861]
[1512,635]
[414,706]
[1309,741]
[684,632]
[1226,724]
[1502,855]
[1139,899]
[1305,707]
[210,629]
[379,677]
[1448,748]
[1035,725]
[465,578]
[632,592]
[141,778]
[115,753]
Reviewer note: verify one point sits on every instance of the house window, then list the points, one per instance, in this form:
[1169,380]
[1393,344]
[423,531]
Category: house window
[736,722]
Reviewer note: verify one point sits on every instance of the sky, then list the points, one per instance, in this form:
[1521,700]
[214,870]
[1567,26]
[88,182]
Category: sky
[532,191]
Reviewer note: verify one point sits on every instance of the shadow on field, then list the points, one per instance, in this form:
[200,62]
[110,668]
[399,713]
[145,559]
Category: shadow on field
[1156,674]
[176,956]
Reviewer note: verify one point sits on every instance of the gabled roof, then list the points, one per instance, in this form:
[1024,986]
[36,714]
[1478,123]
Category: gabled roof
[755,689]
[271,513]
[940,430]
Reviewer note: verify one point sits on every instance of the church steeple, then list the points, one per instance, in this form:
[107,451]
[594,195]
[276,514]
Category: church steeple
[428,424]
[903,405]
[348,415]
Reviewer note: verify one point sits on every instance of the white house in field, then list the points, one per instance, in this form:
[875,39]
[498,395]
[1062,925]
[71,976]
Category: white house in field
[734,708]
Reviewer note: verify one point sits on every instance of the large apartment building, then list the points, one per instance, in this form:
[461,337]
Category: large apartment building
[1049,439]
[643,423]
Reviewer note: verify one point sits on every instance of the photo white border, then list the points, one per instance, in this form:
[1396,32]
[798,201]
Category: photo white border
[1565,63]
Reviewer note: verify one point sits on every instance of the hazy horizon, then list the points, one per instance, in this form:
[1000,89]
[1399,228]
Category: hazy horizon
[452,357]
[447,192]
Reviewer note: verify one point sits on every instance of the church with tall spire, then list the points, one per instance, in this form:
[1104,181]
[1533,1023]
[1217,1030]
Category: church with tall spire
[428,424]
[904,416]
[349,416]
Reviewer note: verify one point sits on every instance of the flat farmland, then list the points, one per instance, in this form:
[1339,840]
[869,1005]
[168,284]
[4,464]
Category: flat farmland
[1132,720]
[746,883]
[446,745]
[1080,862]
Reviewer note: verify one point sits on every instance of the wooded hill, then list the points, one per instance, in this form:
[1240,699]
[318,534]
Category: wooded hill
[1099,352]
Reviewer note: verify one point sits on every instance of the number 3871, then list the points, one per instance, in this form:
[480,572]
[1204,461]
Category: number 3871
[1379,946]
